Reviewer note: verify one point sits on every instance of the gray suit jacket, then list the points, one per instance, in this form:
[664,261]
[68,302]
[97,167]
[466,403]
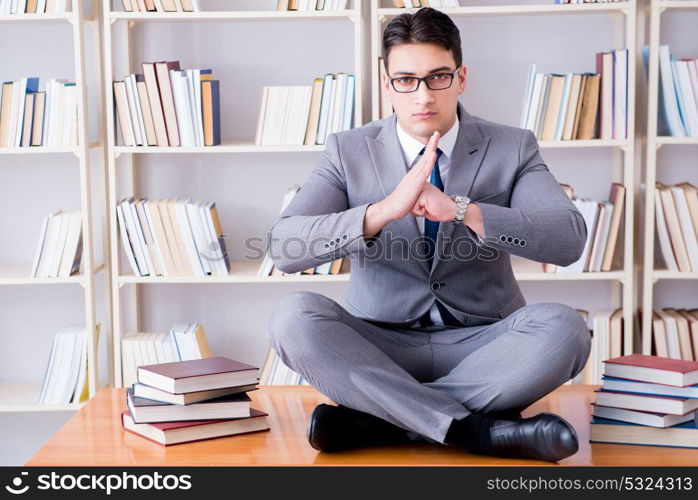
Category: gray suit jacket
[525,212]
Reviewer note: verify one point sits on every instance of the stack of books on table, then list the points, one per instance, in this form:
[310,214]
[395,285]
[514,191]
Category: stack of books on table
[193,400]
[647,400]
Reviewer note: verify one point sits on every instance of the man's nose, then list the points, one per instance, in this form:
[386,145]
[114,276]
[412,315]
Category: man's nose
[424,93]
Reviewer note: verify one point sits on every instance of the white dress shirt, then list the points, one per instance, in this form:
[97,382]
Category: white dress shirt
[411,148]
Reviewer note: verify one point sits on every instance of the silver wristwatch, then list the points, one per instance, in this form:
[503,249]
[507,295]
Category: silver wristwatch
[462,203]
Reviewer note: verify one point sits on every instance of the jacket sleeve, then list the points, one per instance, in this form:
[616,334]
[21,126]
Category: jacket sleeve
[541,222]
[318,226]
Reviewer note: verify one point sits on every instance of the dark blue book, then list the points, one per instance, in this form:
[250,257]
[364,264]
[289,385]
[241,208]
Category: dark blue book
[683,435]
[635,386]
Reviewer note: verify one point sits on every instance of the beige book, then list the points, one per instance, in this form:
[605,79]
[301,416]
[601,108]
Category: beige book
[184,263]
[692,200]
[219,235]
[150,5]
[571,111]
[31,6]
[127,5]
[672,221]
[589,110]
[170,235]
[202,342]
[276,272]
[282,5]
[187,6]
[399,4]
[28,120]
[596,243]
[314,114]
[151,137]
[160,237]
[552,108]
[5,116]
[151,83]
[123,114]
[684,333]
[51,6]
[616,334]
[693,327]
[163,69]
[336,266]
[661,345]
[578,110]
[293,4]
[37,126]
[169,6]
[416,4]
[617,197]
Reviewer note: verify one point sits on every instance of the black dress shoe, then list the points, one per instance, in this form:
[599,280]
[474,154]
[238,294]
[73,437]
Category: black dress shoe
[543,437]
[335,428]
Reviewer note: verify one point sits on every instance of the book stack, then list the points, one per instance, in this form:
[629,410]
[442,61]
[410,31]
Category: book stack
[305,5]
[574,106]
[59,251]
[675,333]
[647,400]
[34,6]
[678,94]
[166,106]
[65,380]
[161,5]
[184,342]
[32,118]
[676,211]
[171,237]
[187,401]
[425,3]
[305,115]
[267,267]
[603,222]
[275,372]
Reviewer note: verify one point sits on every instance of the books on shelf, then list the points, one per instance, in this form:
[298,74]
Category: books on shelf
[34,6]
[59,250]
[586,1]
[166,106]
[425,3]
[311,5]
[185,341]
[65,380]
[29,117]
[192,400]
[675,333]
[170,237]
[160,5]
[603,222]
[676,214]
[678,94]
[305,115]
[275,372]
[579,106]
[628,411]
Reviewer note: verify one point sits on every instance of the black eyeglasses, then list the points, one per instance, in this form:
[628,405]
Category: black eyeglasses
[437,81]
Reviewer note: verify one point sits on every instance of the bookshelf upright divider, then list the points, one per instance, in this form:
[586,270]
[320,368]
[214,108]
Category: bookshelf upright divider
[623,150]
[654,143]
[18,397]
[241,272]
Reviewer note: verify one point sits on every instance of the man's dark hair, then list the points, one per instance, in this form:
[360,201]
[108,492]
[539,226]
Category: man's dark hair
[427,25]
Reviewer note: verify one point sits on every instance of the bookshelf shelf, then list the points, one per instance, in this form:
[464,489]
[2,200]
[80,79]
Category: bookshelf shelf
[503,10]
[653,143]
[621,281]
[251,15]
[23,396]
[20,396]
[119,58]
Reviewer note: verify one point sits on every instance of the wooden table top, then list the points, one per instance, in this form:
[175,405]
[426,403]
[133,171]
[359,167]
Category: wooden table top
[94,437]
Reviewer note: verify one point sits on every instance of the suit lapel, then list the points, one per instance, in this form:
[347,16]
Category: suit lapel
[466,159]
[389,164]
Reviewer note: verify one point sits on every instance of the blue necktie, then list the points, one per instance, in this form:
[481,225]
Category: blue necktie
[431,230]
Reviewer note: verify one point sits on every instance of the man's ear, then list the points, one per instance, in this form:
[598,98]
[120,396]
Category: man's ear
[461,79]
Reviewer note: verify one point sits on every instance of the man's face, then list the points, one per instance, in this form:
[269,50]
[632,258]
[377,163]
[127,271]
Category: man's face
[423,59]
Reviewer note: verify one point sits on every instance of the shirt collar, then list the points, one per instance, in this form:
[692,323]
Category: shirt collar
[411,147]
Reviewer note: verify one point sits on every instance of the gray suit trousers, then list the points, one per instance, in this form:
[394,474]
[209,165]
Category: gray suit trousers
[421,378]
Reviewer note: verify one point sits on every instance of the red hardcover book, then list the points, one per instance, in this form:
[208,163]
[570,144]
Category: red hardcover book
[676,372]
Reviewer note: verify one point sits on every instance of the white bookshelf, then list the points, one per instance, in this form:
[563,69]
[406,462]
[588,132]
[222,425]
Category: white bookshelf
[654,142]
[623,151]
[122,160]
[21,396]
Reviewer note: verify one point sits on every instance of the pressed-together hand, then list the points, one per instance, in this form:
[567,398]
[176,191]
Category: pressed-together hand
[433,204]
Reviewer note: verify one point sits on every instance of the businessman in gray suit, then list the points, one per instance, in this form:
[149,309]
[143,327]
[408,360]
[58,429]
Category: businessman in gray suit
[433,339]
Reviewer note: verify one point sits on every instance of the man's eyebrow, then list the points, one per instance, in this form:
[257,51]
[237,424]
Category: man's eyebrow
[408,73]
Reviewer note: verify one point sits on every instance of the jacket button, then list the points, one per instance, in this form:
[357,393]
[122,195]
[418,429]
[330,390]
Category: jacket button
[510,239]
[327,245]
[516,241]
[344,236]
[523,243]
[502,238]
[435,286]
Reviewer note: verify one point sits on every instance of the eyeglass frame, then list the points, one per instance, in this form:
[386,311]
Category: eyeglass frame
[424,79]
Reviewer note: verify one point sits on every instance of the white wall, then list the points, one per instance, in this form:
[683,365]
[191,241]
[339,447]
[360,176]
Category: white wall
[248,187]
